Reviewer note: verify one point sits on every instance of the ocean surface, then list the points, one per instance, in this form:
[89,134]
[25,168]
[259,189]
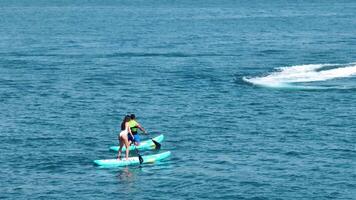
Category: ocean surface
[256,99]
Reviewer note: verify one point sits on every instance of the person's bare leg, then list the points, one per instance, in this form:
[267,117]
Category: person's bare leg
[127,144]
[120,149]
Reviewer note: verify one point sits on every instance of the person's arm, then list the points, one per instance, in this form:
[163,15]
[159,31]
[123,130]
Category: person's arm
[141,128]
[129,129]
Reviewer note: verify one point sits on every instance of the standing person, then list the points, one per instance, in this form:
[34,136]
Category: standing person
[134,126]
[124,136]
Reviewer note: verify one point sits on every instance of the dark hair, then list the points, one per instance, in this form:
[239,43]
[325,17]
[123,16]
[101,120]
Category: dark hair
[126,119]
[132,116]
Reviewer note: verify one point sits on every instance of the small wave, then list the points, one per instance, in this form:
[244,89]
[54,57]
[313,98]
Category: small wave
[168,55]
[295,76]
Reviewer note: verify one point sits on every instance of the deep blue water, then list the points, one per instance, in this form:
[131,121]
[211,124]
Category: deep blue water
[229,83]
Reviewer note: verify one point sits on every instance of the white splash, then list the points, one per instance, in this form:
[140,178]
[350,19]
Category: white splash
[286,76]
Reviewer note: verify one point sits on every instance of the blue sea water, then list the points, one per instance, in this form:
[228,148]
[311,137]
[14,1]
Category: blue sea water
[256,98]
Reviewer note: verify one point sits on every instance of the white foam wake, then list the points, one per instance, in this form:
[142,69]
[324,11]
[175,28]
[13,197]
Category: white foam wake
[286,76]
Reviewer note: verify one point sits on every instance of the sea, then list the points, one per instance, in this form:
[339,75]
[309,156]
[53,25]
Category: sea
[256,99]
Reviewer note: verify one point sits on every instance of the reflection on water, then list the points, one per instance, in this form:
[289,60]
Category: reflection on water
[130,174]
[126,174]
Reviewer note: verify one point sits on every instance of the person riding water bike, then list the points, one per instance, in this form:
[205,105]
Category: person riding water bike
[134,126]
